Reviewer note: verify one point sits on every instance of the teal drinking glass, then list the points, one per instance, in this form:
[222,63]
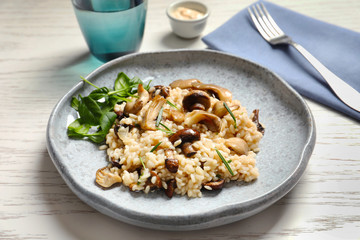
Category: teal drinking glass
[111,28]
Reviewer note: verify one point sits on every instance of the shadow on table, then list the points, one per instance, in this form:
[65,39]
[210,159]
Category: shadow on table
[58,75]
[82,222]
[172,41]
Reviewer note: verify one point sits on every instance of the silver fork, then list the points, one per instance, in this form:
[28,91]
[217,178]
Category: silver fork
[272,33]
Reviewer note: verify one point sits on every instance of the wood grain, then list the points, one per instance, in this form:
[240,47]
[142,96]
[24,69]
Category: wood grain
[42,55]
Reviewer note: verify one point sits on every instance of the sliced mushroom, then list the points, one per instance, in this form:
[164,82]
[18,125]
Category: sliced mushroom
[220,93]
[116,163]
[217,185]
[123,125]
[171,185]
[106,178]
[174,115]
[137,103]
[255,119]
[188,149]
[172,165]
[212,121]
[153,181]
[238,145]
[159,90]
[219,109]
[196,100]
[184,84]
[187,136]
[148,121]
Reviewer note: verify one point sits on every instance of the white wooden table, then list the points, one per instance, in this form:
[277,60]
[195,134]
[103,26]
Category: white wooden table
[42,55]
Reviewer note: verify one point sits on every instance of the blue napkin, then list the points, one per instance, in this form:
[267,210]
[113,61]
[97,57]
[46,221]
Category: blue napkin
[337,48]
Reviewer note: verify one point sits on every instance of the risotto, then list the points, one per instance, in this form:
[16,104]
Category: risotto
[182,139]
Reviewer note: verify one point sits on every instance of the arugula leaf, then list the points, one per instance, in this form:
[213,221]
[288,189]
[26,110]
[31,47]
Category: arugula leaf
[106,121]
[97,109]
[76,129]
[89,111]
[99,93]
[75,103]
[126,87]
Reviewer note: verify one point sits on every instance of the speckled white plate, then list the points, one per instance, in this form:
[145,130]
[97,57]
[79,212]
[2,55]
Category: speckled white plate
[284,151]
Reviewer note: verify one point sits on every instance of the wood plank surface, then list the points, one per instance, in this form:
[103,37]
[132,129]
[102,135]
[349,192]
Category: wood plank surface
[42,55]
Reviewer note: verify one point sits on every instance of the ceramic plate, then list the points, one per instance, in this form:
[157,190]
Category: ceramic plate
[284,151]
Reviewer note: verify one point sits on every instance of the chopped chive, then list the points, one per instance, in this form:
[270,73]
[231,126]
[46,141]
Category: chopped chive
[163,130]
[165,127]
[166,130]
[225,162]
[159,117]
[229,161]
[171,104]
[142,162]
[155,147]
[231,114]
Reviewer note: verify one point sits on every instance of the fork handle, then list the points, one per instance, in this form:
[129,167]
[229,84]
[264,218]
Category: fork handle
[344,91]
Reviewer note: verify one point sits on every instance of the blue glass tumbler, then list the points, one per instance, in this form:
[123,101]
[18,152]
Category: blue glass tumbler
[111,28]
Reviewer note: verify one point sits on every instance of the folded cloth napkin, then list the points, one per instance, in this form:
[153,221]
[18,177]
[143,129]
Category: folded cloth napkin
[337,48]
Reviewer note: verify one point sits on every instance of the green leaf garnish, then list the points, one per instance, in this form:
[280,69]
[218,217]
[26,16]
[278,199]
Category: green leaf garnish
[231,114]
[171,104]
[159,117]
[155,147]
[225,162]
[97,109]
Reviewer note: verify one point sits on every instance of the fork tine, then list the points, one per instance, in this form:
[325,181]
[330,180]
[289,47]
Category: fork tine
[262,23]
[271,20]
[267,24]
[258,26]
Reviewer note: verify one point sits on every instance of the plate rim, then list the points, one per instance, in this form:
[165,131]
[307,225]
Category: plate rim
[253,206]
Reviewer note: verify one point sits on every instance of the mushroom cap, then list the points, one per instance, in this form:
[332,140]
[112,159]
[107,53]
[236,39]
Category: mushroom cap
[220,93]
[135,106]
[106,178]
[216,185]
[238,145]
[148,121]
[174,115]
[188,149]
[159,90]
[212,121]
[172,165]
[219,109]
[196,100]
[186,135]
[184,84]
